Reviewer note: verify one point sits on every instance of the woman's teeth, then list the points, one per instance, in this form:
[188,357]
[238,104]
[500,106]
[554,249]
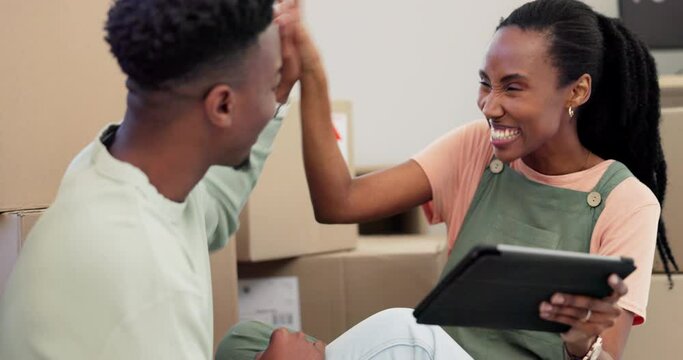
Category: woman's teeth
[504,134]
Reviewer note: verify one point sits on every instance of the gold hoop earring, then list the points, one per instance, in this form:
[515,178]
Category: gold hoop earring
[571,112]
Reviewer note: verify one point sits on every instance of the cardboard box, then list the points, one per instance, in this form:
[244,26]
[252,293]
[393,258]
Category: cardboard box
[339,290]
[672,133]
[278,220]
[60,87]
[14,228]
[671,87]
[224,286]
[659,338]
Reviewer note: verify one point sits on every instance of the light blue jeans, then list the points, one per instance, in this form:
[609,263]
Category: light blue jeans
[390,334]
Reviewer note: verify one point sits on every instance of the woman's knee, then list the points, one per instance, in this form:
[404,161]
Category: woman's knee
[393,316]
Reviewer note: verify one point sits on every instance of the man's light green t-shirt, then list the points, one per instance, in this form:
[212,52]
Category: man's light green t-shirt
[114,270]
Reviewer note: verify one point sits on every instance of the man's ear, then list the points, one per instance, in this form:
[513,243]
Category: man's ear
[219,105]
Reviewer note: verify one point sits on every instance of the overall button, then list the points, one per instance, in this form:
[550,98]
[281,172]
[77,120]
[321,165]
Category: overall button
[496,166]
[594,199]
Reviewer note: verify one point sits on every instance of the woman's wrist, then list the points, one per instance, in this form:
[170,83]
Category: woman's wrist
[313,76]
[583,349]
[580,349]
[312,68]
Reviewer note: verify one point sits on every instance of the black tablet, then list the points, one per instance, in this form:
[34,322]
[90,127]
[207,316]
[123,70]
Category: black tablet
[502,287]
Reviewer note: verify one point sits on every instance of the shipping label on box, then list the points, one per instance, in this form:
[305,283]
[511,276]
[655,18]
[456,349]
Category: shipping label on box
[273,300]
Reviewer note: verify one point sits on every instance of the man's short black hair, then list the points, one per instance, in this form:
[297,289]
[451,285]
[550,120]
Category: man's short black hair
[158,41]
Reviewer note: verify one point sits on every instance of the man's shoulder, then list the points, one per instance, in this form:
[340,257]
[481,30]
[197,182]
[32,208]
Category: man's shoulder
[88,221]
[88,205]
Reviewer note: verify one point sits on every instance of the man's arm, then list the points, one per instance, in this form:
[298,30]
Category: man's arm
[230,188]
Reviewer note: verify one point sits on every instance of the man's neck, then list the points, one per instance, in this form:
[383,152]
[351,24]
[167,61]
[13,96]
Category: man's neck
[166,145]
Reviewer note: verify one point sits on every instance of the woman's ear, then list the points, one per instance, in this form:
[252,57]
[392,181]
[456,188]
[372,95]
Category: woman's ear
[580,91]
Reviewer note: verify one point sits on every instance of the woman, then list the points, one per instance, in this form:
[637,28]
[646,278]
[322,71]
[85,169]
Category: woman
[568,158]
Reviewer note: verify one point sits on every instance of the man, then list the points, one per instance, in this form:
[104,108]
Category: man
[118,267]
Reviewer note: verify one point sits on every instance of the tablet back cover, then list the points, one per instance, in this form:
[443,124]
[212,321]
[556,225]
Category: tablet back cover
[498,289]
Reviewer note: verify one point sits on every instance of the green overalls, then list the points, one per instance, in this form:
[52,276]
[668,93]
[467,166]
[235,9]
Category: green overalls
[508,208]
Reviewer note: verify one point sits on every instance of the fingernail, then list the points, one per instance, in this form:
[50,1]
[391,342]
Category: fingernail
[613,279]
[545,307]
[545,315]
[558,299]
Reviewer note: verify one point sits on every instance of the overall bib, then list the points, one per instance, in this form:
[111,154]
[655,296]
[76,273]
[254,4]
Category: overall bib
[510,209]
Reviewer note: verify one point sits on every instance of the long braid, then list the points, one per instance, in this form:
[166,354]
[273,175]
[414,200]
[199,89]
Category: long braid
[629,86]
[660,179]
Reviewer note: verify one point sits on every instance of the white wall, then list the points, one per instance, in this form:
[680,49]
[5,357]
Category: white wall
[409,66]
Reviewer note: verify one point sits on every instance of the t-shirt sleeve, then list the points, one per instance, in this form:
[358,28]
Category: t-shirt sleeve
[448,162]
[628,227]
[228,188]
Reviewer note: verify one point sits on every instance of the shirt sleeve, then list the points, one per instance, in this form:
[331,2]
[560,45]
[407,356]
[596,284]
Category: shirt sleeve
[229,188]
[628,227]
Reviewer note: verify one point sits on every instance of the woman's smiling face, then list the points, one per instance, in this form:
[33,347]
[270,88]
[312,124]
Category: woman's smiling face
[520,93]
